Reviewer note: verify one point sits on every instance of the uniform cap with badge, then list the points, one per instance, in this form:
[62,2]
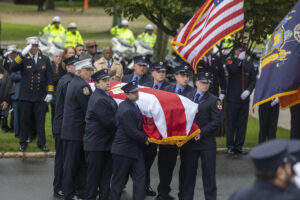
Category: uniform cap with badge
[71,60]
[182,69]
[130,87]
[141,60]
[100,75]
[158,66]
[294,151]
[203,77]
[32,40]
[84,64]
[270,155]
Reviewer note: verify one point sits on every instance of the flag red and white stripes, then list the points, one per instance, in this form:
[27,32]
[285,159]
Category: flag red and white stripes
[215,20]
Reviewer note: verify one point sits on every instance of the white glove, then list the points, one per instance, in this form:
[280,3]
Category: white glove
[93,87]
[297,172]
[48,98]
[26,49]
[242,55]
[221,96]
[6,53]
[274,101]
[245,94]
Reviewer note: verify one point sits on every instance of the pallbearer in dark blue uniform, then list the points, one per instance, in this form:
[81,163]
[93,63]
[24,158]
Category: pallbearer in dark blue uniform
[139,74]
[76,101]
[158,72]
[209,119]
[36,90]
[167,154]
[127,146]
[295,118]
[99,132]
[61,91]
[273,173]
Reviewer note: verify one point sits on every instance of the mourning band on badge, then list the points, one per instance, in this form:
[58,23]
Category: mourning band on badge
[219,104]
[86,91]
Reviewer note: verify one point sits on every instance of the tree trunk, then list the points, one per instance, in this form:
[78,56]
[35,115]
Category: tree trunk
[160,48]
[116,16]
[50,5]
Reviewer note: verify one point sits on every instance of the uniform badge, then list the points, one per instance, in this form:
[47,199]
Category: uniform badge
[28,57]
[40,57]
[161,63]
[86,91]
[186,67]
[219,104]
[29,67]
[43,67]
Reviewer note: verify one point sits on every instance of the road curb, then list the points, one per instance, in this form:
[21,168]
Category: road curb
[52,154]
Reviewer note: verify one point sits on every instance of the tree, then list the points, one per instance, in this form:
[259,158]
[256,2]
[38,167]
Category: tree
[50,5]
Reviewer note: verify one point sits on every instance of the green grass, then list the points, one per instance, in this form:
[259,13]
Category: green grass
[18,8]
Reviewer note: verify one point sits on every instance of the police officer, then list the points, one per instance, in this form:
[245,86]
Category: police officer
[127,146]
[295,118]
[209,119]
[73,36]
[148,36]
[139,74]
[61,91]
[35,91]
[99,132]
[273,173]
[76,101]
[242,77]
[55,30]
[213,64]
[268,118]
[9,56]
[123,32]
[167,154]
[159,82]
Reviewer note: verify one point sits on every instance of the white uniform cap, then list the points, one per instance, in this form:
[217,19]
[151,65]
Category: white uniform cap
[149,27]
[72,25]
[32,40]
[12,48]
[56,19]
[84,64]
[124,22]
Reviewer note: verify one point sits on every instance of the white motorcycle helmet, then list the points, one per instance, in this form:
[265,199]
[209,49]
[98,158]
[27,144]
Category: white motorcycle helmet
[56,19]
[149,27]
[72,25]
[124,22]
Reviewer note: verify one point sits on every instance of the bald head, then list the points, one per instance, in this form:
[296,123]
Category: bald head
[107,52]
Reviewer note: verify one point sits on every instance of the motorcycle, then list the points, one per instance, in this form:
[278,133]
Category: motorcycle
[48,46]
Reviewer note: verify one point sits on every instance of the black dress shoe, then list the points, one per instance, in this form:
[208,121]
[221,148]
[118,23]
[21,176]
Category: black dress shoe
[5,129]
[58,194]
[230,151]
[241,151]
[44,148]
[75,197]
[23,148]
[149,191]
[164,197]
[29,140]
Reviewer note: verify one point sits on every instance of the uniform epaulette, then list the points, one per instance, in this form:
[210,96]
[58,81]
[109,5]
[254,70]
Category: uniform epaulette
[18,59]
[50,88]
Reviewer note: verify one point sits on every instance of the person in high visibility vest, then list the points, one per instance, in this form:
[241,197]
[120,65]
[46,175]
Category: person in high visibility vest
[228,42]
[73,37]
[123,32]
[148,36]
[55,30]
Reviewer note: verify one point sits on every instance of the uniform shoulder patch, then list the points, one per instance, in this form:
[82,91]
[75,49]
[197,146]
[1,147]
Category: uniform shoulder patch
[229,62]
[219,104]
[86,90]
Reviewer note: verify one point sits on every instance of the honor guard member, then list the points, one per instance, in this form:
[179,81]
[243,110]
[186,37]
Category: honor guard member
[73,36]
[35,91]
[213,64]
[209,119]
[139,74]
[167,154]
[268,118]
[61,91]
[76,101]
[99,133]
[242,77]
[148,36]
[295,119]
[158,72]
[127,146]
[273,173]
[9,56]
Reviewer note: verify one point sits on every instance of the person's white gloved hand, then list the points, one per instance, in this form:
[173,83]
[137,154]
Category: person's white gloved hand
[6,53]
[92,85]
[274,101]
[48,98]
[245,94]
[296,169]
[26,49]
[242,55]
[221,96]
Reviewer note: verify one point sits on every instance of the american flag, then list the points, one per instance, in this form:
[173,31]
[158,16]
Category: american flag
[215,20]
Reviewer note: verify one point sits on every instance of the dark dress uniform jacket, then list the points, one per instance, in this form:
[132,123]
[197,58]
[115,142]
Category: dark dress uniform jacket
[209,119]
[188,92]
[77,97]
[218,74]
[61,91]
[100,122]
[37,79]
[129,137]
[164,85]
[144,79]
[242,76]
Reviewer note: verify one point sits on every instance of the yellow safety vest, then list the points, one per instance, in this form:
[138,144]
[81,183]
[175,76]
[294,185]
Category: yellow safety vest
[123,33]
[73,39]
[147,38]
[55,34]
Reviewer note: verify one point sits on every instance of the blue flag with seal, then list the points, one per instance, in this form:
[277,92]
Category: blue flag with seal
[280,64]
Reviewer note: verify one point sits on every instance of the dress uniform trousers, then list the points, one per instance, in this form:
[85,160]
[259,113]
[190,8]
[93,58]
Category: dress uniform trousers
[149,152]
[237,118]
[268,119]
[38,109]
[58,164]
[136,168]
[99,164]
[73,163]
[295,122]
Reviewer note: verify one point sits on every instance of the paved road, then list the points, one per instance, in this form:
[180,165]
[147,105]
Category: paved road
[32,179]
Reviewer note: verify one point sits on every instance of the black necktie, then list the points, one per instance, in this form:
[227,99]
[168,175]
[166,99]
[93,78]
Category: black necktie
[197,97]
[136,79]
[179,91]
[156,86]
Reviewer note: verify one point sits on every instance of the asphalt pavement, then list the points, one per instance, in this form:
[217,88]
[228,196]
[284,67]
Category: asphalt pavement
[28,179]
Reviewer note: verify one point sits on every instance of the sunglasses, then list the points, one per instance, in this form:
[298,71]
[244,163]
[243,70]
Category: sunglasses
[93,46]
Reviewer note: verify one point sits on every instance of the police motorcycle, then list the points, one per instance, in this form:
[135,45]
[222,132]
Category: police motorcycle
[124,52]
[49,46]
